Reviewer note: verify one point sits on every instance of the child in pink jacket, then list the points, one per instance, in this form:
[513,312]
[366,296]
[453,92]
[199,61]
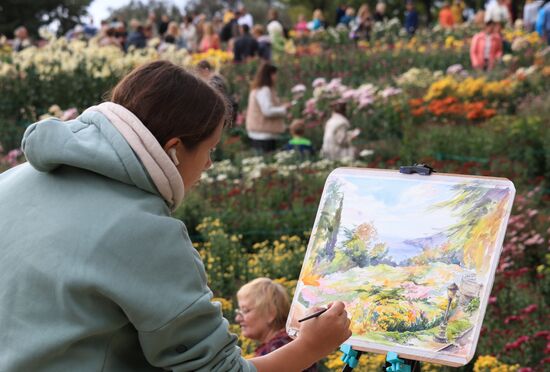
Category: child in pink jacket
[486,47]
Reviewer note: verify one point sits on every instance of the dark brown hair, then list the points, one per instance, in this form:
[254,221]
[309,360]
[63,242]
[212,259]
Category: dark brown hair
[297,127]
[339,107]
[263,76]
[172,102]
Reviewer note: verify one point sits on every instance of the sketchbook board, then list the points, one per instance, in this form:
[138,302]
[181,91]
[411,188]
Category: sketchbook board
[413,258]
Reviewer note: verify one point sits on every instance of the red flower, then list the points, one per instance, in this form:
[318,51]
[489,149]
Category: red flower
[516,273]
[449,100]
[512,318]
[492,300]
[414,102]
[283,206]
[235,191]
[484,331]
[542,334]
[525,369]
[530,309]
[517,344]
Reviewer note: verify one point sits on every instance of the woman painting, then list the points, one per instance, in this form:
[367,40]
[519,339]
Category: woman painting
[97,275]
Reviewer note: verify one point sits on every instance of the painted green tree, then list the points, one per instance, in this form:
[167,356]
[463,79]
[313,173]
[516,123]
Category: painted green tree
[324,239]
[362,247]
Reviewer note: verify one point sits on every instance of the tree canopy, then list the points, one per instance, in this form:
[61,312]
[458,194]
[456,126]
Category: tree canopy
[33,14]
[140,10]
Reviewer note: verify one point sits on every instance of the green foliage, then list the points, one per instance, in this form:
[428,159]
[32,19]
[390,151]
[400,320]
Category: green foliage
[203,6]
[223,255]
[229,264]
[512,146]
[456,327]
[401,337]
[32,14]
[140,10]
[273,206]
[23,99]
[473,305]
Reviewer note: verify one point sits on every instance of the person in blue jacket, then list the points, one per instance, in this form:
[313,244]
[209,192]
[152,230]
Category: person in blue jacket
[96,275]
[411,18]
[541,21]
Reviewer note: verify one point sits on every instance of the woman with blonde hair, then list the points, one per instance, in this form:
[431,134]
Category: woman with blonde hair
[363,23]
[210,39]
[172,36]
[262,314]
[318,21]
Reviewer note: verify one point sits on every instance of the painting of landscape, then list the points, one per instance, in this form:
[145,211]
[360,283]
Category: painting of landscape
[413,258]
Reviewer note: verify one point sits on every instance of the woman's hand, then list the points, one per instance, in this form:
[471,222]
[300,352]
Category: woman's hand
[318,337]
[326,332]
[287,105]
[354,133]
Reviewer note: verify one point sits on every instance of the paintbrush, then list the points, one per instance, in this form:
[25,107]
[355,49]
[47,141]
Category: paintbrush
[314,315]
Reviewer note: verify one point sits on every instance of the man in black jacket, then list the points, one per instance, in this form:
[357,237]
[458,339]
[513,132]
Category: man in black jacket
[245,46]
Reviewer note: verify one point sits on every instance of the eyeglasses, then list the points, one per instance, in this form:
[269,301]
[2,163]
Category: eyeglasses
[243,312]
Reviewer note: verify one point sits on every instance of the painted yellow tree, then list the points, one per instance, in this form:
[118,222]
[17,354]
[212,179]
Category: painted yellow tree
[481,210]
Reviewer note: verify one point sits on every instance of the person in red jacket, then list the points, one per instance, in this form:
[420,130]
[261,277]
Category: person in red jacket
[446,19]
[486,48]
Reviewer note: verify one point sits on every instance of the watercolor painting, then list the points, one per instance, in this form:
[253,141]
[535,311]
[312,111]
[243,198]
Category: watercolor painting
[413,257]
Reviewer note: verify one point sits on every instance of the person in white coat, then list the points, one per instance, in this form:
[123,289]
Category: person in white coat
[498,12]
[338,136]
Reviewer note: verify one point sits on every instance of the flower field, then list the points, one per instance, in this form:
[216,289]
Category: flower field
[415,100]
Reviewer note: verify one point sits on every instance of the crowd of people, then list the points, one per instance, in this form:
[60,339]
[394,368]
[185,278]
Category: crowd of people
[236,31]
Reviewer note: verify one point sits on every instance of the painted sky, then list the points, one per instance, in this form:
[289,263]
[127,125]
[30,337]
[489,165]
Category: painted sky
[398,208]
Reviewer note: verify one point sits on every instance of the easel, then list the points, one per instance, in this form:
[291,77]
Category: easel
[393,363]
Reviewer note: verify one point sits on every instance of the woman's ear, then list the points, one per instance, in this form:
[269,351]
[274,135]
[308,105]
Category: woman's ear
[172,142]
[171,149]
[271,317]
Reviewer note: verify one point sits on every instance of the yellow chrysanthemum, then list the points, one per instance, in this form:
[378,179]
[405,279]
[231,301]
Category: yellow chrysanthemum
[488,363]
[442,87]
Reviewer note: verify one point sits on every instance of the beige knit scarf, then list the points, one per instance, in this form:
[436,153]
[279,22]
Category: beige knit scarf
[158,164]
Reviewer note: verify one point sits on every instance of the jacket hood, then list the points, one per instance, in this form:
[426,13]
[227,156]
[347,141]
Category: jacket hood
[109,140]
